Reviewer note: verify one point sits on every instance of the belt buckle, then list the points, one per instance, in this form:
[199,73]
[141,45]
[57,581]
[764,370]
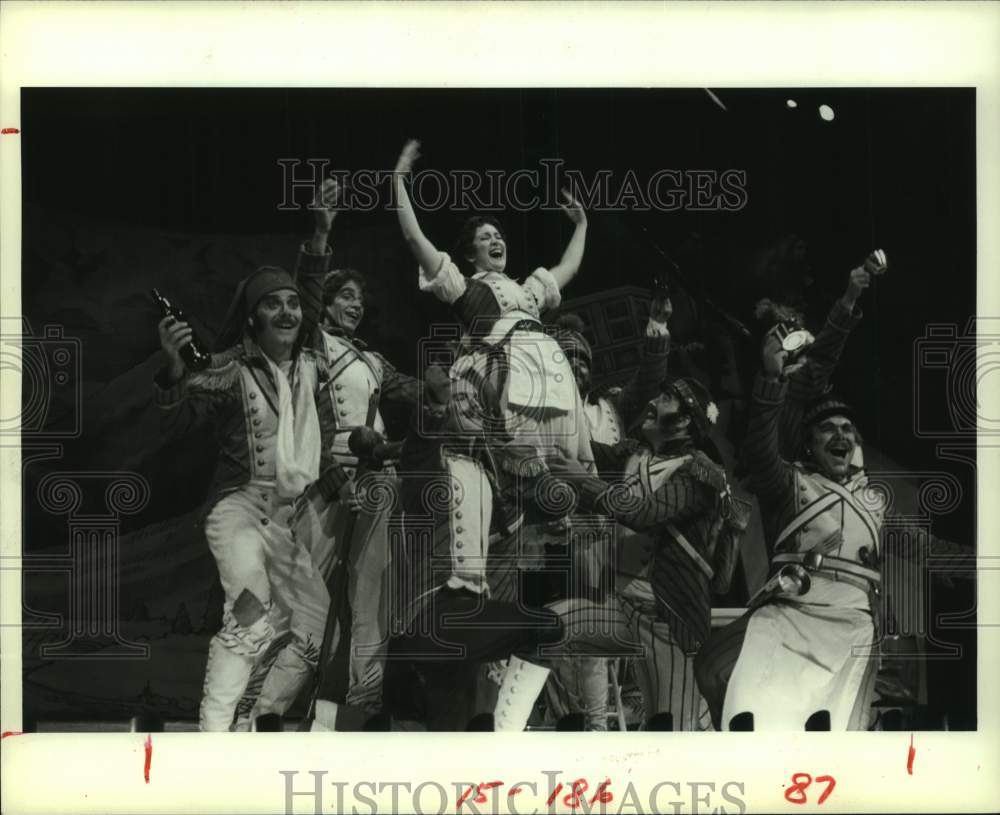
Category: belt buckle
[812,560]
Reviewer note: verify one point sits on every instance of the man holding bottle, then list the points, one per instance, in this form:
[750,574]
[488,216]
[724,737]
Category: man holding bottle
[260,395]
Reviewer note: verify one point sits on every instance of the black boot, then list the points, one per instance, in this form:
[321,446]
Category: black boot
[741,723]
[572,722]
[661,721]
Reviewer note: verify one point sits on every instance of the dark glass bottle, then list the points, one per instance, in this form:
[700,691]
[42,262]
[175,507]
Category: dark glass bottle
[193,354]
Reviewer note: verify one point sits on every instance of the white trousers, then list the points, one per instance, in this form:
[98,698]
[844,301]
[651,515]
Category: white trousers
[271,588]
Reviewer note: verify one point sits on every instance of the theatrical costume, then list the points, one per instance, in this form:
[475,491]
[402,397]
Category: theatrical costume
[539,398]
[462,479]
[270,438]
[359,380]
[679,502]
[796,658]
[580,683]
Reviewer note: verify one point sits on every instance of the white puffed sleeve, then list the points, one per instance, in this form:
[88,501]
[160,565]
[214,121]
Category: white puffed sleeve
[654,328]
[447,284]
[542,286]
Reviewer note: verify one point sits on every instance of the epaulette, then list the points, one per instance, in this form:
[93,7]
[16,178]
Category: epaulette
[522,461]
[219,377]
[701,468]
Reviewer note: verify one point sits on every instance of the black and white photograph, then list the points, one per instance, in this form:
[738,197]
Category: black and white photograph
[643,410]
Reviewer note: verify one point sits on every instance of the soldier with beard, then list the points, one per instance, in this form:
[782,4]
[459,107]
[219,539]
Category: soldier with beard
[676,494]
[260,394]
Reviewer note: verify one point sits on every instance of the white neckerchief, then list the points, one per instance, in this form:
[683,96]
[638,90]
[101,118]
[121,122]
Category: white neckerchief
[298,440]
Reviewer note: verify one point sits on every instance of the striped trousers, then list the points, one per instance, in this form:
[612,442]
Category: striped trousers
[621,627]
[322,528]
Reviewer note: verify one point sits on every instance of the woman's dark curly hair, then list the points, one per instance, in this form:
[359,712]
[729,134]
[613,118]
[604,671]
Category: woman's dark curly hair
[337,279]
[467,237]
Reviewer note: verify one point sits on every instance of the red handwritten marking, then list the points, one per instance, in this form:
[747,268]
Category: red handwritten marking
[9,131]
[603,794]
[514,791]
[465,795]
[910,756]
[480,793]
[798,788]
[555,792]
[575,797]
[11,733]
[149,757]
[800,783]
[829,787]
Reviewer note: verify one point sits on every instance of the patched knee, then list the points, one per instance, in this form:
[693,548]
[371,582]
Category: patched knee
[246,626]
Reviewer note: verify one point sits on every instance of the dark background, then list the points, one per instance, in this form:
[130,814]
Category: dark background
[179,188]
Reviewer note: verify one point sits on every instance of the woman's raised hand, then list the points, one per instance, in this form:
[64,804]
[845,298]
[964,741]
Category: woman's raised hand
[573,209]
[408,156]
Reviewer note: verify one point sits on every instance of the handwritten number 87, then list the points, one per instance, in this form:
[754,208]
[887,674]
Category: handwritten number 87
[796,793]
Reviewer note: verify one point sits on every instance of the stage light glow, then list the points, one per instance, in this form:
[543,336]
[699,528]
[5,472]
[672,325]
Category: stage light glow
[792,103]
[826,113]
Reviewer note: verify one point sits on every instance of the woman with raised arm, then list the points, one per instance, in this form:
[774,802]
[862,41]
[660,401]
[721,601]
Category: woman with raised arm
[540,401]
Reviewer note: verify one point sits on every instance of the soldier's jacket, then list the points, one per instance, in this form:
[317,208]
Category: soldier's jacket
[679,505]
[359,379]
[812,380]
[237,395]
[804,511]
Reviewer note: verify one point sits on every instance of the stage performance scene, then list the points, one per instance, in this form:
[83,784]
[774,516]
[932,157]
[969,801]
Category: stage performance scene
[504,410]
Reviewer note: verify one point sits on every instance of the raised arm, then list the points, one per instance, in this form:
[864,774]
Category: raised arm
[423,250]
[812,379]
[645,385]
[769,474]
[569,264]
[313,262]
[187,401]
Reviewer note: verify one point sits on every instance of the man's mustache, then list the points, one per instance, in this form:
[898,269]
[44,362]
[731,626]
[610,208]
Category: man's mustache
[669,421]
